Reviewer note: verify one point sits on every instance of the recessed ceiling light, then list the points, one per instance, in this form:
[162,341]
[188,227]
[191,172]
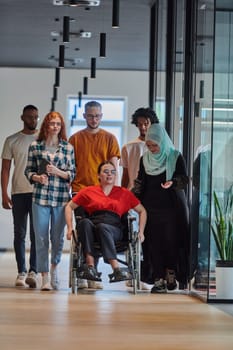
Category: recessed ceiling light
[54,33]
[80,34]
[77,2]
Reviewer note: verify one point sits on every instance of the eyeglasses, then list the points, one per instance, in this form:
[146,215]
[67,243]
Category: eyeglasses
[55,123]
[106,171]
[91,116]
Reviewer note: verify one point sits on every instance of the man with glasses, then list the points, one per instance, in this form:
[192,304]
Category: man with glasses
[92,146]
[16,148]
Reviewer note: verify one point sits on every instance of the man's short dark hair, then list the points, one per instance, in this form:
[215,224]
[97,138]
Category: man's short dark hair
[29,107]
[91,104]
[147,113]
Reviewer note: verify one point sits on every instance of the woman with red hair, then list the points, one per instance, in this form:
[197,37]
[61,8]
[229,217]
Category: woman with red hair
[50,168]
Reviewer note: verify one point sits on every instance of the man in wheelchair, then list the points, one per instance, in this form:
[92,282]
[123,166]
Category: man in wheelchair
[105,205]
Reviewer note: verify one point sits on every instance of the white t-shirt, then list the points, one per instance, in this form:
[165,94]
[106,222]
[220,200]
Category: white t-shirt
[130,157]
[16,148]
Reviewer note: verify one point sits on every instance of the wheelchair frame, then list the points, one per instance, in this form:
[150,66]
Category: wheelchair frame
[131,248]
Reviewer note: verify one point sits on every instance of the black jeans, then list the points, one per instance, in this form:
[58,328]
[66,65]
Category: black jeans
[22,208]
[105,234]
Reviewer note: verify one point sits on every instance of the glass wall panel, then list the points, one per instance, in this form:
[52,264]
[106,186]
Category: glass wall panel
[201,184]
[178,101]
[211,94]
[160,61]
[178,67]
[222,163]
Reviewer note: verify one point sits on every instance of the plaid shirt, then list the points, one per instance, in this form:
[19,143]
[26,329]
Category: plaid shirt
[57,192]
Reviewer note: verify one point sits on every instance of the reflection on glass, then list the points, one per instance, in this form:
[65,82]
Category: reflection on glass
[202,268]
[222,163]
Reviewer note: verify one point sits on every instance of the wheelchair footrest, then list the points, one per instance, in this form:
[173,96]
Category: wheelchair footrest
[89,273]
[119,275]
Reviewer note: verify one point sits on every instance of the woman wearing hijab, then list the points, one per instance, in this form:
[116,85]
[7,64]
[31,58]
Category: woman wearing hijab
[160,186]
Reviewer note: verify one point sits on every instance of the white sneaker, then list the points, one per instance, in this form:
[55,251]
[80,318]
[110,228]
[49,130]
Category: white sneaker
[82,284]
[129,283]
[46,283]
[143,286]
[94,284]
[54,279]
[20,280]
[31,279]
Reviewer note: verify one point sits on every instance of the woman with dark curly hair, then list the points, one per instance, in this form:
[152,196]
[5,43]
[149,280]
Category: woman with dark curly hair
[50,168]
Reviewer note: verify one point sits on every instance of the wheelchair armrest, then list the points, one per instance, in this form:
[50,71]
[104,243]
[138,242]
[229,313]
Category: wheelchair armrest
[132,232]
[74,236]
[78,217]
[131,218]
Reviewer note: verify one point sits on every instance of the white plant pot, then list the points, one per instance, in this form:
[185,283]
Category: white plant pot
[224,279]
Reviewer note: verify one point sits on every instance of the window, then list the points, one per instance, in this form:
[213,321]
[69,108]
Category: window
[114,115]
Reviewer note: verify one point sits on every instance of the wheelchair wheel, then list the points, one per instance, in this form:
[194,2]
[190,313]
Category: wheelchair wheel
[73,265]
[137,262]
[136,251]
[134,254]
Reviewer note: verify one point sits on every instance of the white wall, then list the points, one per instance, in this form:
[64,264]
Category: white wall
[22,86]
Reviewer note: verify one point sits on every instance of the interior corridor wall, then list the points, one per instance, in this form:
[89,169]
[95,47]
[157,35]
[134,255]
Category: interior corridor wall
[22,86]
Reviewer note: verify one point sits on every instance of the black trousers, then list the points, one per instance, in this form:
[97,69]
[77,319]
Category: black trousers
[161,242]
[103,233]
[21,210]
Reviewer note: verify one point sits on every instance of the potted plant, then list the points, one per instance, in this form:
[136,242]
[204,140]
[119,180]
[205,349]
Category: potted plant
[222,230]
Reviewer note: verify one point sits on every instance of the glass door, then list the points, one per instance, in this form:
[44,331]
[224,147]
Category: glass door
[202,267]
[222,161]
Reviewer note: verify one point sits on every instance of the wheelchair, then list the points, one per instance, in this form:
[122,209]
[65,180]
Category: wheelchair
[128,253]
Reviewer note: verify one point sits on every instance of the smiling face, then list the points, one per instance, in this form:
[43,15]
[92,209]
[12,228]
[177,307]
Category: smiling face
[107,174]
[153,146]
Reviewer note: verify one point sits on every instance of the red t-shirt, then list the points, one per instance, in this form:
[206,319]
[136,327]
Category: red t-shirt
[92,198]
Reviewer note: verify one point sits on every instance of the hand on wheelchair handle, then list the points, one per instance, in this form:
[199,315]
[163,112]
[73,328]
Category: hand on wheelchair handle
[141,236]
[69,234]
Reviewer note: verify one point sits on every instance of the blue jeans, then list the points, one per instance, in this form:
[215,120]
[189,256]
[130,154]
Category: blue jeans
[49,223]
[22,208]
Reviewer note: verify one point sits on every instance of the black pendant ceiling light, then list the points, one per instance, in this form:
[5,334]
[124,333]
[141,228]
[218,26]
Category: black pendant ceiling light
[57,77]
[61,56]
[66,29]
[115,13]
[102,45]
[85,85]
[93,67]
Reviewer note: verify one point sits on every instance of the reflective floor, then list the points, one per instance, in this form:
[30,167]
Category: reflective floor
[112,318]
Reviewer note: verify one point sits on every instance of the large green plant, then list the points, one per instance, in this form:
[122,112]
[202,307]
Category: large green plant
[222,228]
